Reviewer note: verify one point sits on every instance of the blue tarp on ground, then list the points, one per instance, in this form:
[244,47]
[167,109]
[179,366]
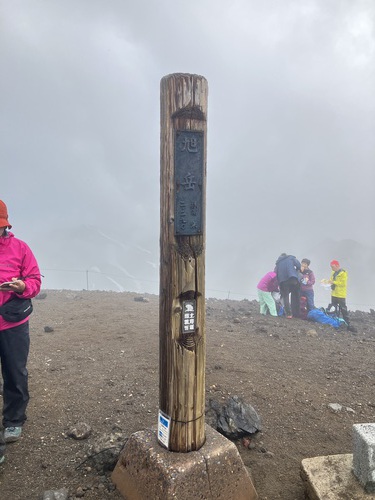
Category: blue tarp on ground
[321,317]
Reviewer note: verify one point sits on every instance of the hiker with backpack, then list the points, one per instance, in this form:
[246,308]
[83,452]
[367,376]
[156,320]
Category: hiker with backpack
[287,270]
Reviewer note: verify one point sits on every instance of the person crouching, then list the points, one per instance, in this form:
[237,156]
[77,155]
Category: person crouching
[266,286]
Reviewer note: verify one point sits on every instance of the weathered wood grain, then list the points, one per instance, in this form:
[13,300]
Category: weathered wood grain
[182,273]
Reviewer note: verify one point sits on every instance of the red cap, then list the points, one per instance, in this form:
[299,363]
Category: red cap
[335,263]
[4,215]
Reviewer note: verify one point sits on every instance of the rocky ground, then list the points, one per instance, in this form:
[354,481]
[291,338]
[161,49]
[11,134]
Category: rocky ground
[94,381]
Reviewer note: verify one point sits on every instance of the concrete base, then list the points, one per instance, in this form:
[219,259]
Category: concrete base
[146,470]
[364,455]
[331,478]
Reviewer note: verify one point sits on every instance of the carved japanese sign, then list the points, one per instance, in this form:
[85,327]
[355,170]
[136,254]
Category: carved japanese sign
[188,164]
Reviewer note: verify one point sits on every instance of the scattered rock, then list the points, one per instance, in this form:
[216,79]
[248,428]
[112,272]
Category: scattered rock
[104,453]
[249,443]
[41,296]
[335,407]
[312,332]
[80,431]
[79,492]
[48,329]
[246,442]
[235,419]
[56,494]
[236,320]
[141,299]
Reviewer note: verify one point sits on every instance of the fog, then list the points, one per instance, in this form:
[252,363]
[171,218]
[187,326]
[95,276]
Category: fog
[291,127]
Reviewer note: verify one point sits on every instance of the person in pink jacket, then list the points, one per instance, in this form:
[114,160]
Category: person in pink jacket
[19,267]
[266,286]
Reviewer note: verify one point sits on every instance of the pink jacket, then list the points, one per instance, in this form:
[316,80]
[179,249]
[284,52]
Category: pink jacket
[269,283]
[17,261]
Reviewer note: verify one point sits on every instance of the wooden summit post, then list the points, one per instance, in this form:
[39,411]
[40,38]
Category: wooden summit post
[214,469]
[182,343]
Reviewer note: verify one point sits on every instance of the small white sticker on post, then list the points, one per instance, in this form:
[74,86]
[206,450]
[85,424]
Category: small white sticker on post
[164,425]
[189,308]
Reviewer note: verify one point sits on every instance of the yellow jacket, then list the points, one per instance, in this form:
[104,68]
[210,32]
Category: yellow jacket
[339,283]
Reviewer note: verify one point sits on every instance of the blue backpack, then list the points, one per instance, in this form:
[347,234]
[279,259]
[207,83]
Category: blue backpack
[321,317]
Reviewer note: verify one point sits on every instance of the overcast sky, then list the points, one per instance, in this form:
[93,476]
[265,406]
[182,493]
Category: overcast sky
[291,127]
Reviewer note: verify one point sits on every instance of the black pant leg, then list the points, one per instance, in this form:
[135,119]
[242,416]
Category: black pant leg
[291,287]
[343,310]
[284,290]
[335,301]
[14,350]
[295,297]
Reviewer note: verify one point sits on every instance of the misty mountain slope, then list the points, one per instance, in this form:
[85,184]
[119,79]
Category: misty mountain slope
[107,260]
[101,259]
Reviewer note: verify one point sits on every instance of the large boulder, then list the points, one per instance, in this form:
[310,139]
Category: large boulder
[234,419]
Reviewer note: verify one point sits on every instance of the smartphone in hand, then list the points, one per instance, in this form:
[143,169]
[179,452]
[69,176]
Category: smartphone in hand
[5,286]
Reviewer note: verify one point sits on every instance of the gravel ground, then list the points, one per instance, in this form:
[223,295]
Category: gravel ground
[99,367]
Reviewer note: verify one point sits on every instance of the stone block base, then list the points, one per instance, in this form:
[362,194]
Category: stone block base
[146,470]
[331,478]
[364,455]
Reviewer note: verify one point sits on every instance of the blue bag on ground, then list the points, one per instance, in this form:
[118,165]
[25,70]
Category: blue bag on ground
[321,317]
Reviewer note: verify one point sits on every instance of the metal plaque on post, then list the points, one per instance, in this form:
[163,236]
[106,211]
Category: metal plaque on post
[188,165]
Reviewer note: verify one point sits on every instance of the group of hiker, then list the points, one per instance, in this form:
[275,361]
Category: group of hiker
[289,289]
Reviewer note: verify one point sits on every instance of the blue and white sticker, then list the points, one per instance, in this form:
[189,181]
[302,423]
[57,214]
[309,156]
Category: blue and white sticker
[164,425]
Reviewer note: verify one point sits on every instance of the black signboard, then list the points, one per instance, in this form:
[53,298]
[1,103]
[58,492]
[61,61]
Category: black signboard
[188,173]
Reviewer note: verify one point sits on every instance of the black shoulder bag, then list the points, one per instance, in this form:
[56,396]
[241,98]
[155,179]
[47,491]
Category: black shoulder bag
[16,309]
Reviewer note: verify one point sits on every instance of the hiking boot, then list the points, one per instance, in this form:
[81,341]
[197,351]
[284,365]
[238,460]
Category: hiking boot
[352,329]
[289,317]
[12,434]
